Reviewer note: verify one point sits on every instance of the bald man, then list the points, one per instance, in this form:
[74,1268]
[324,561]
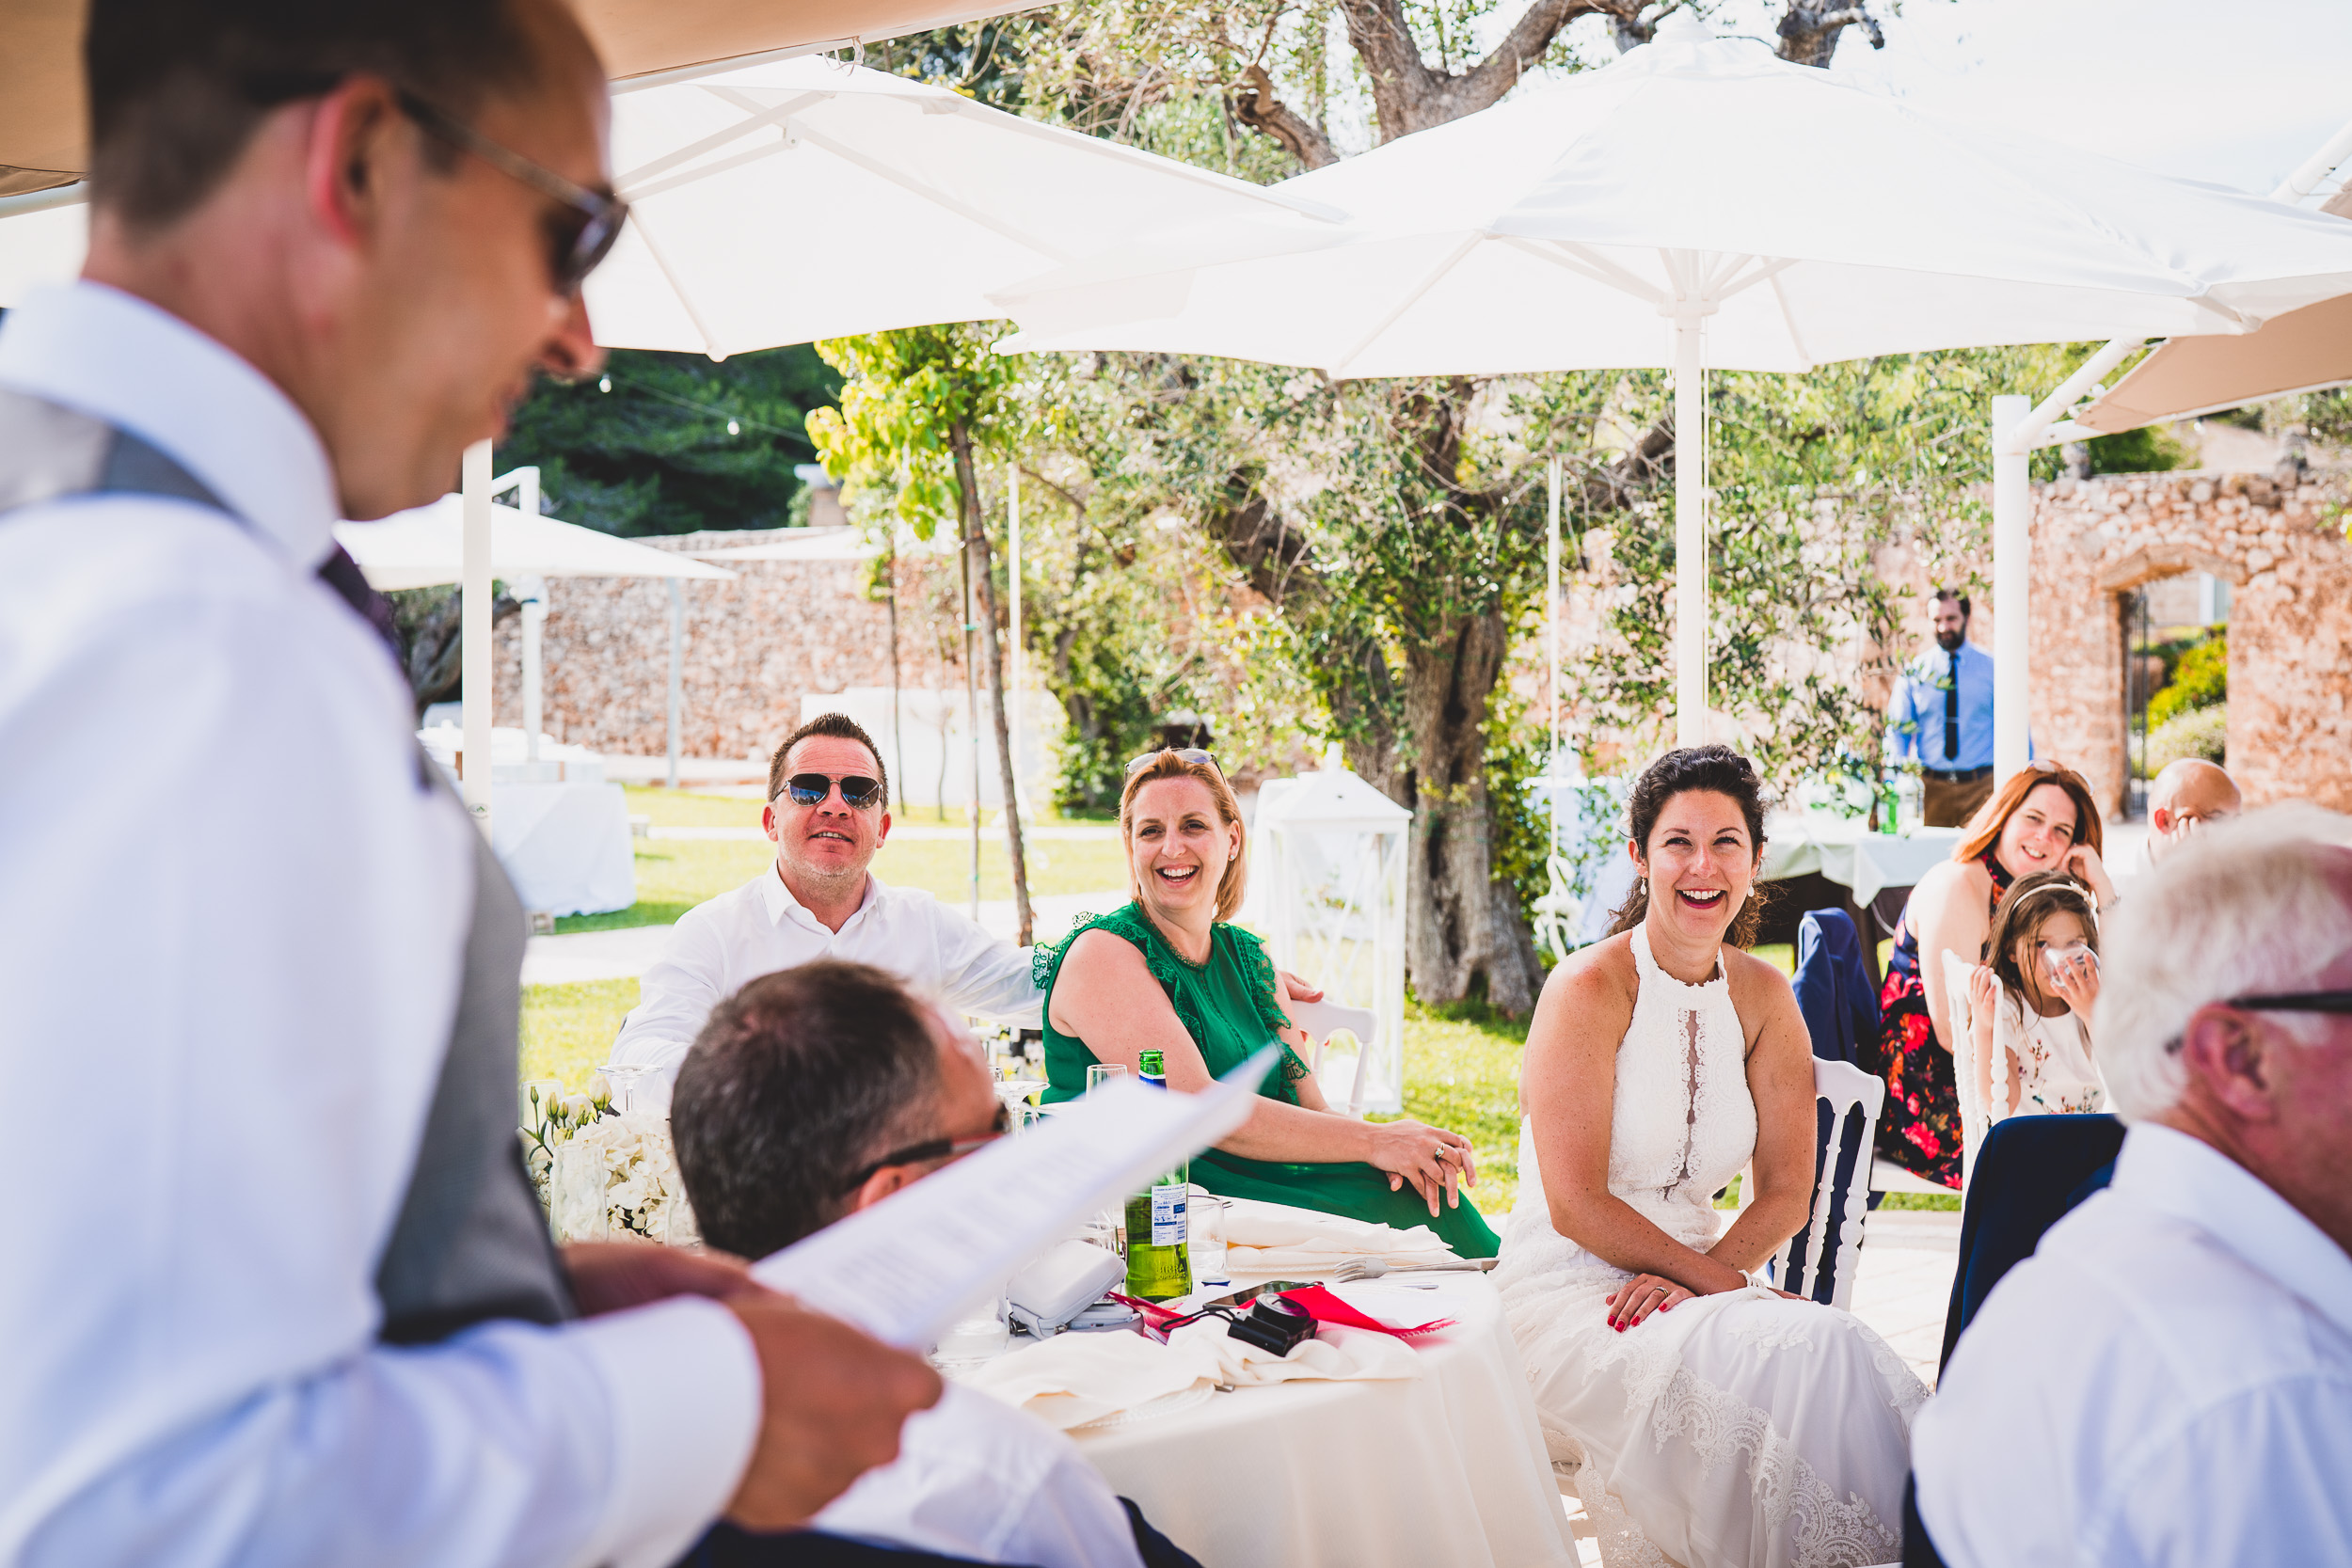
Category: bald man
[2187,796]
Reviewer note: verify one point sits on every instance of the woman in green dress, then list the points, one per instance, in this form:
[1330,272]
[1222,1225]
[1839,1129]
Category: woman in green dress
[1166,973]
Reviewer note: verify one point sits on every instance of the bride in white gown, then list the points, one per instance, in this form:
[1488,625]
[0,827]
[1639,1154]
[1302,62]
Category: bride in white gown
[1713,1422]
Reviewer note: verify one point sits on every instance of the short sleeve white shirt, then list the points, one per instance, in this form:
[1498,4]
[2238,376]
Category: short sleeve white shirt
[2167,1381]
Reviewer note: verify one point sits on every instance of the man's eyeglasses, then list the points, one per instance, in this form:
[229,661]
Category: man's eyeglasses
[1192,754]
[810,789]
[2285,1002]
[935,1149]
[579,238]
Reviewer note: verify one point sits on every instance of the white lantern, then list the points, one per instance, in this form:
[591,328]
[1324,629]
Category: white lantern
[1327,886]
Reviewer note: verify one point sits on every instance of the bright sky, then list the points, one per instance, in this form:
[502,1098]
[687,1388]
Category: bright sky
[2234,91]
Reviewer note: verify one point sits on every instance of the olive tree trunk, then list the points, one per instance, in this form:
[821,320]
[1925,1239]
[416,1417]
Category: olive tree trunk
[993,661]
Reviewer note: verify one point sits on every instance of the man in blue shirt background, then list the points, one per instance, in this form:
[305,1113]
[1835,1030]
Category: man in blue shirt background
[1942,714]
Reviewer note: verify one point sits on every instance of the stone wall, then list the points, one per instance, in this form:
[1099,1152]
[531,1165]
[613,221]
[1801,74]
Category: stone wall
[2282,547]
[755,647]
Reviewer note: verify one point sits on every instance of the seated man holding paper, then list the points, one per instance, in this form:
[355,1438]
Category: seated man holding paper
[811,1094]
[1169,972]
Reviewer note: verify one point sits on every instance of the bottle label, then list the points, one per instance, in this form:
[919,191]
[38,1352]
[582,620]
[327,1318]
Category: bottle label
[1167,1215]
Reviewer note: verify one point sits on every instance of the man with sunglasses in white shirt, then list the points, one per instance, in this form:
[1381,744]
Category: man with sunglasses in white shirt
[828,811]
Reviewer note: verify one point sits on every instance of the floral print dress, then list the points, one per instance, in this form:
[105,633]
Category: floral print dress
[1920,1127]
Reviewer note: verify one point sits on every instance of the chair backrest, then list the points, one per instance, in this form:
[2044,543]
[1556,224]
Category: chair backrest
[1322,1020]
[1834,989]
[2033,1171]
[1974,1119]
[1819,1260]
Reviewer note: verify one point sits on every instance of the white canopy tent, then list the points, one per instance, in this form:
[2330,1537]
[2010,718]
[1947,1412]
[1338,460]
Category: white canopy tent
[429,545]
[1699,202]
[814,198]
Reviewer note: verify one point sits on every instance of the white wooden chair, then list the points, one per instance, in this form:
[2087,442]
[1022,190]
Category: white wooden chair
[1322,1020]
[1847,1102]
[1976,1119]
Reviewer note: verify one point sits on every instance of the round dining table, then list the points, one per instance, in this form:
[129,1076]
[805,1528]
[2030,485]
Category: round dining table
[1444,1469]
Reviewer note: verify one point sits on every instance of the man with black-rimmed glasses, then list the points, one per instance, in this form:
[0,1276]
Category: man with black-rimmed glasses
[2168,1379]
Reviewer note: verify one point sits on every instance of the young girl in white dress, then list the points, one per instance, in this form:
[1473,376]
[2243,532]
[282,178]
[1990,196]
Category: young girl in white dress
[1713,1422]
[2029,1003]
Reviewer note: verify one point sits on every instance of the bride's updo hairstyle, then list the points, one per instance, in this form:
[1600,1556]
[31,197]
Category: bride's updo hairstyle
[1169,765]
[1716,770]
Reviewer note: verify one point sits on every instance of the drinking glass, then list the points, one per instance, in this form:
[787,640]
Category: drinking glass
[1100,1073]
[1208,1239]
[977,1334]
[576,1192]
[622,1077]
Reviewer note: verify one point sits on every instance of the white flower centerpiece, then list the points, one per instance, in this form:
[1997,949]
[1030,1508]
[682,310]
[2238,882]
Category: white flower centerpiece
[604,1174]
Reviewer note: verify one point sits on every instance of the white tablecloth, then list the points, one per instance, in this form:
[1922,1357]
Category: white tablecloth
[1846,854]
[566,846]
[1444,1469]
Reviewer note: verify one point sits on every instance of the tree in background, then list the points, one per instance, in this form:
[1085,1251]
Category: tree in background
[916,408]
[674,443]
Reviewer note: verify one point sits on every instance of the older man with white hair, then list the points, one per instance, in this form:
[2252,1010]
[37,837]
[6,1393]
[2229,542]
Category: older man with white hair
[2169,1378]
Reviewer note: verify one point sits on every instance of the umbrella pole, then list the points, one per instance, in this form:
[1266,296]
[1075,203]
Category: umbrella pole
[473,631]
[1012,504]
[2012,584]
[677,670]
[1689,535]
[1551,637]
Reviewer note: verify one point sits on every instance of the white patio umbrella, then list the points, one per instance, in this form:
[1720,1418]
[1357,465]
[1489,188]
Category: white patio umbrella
[1699,202]
[814,198]
[426,546]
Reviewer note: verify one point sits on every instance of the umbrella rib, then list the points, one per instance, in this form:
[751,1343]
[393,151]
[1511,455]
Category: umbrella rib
[677,286]
[1570,257]
[916,187]
[627,185]
[1789,318]
[702,171]
[1411,298]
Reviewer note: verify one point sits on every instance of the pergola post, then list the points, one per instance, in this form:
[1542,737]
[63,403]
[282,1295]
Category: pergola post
[1689,535]
[677,670]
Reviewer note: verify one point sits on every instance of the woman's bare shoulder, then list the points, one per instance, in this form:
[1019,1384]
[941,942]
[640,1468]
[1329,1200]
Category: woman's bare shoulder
[1101,954]
[1751,976]
[1949,884]
[1600,972]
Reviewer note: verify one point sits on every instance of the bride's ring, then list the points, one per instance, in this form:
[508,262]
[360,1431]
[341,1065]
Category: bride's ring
[1442,1150]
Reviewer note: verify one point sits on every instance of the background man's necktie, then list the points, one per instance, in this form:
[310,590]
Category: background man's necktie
[1951,714]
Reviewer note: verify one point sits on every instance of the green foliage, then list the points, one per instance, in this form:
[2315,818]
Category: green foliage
[2203,731]
[902,394]
[2201,679]
[654,454]
[2149,449]
[2325,416]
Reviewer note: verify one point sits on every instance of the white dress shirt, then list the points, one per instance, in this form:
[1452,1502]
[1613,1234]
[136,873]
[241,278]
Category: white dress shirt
[231,954]
[717,947]
[976,1477]
[2168,1379]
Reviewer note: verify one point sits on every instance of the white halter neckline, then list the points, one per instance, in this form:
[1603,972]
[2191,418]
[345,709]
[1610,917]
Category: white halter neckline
[1646,964]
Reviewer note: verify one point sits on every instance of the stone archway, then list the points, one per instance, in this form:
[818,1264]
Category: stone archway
[2280,546]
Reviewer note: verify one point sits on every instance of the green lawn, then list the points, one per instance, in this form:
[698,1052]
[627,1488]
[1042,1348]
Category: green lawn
[675,874]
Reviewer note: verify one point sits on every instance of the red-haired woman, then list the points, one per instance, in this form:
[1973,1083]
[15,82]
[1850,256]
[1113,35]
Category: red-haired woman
[2042,818]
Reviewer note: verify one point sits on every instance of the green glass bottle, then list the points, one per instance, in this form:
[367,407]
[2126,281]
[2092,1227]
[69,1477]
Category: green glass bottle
[1159,1266]
[1152,1066]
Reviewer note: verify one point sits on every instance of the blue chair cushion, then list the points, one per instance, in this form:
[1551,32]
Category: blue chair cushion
[2030,1173]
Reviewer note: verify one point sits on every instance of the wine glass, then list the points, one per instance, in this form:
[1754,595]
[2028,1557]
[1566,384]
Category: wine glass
[623,1078]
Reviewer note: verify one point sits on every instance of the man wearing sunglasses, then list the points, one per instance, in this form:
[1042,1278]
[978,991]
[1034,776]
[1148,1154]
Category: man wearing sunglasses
[287,1297]
[2168,1379]
[828,811]
[820,1090]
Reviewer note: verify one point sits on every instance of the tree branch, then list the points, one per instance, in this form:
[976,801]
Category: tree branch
[1256,107]
[1409,96]
[1809,30]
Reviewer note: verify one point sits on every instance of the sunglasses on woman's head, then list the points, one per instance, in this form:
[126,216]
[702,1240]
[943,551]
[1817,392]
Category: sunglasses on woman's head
[810,789]
[1192,754]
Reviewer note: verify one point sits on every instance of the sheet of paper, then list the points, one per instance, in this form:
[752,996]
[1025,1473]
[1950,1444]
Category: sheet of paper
[906,1267]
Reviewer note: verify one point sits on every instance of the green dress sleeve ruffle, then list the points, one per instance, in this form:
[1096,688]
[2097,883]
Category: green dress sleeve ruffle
[1265,992]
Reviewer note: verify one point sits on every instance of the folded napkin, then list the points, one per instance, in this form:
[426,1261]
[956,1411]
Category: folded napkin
[1273,1240]
[1074,1380]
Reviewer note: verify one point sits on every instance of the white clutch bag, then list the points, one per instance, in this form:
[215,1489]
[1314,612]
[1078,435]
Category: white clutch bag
[1061,1283]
